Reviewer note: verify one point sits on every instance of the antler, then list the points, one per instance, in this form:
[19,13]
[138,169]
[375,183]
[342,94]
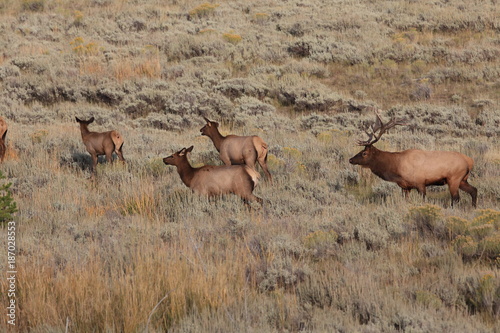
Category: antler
[379,126]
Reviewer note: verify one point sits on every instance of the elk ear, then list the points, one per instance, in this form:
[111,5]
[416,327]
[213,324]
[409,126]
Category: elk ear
[4,135]
[78,120]
[91,120]
[190,149]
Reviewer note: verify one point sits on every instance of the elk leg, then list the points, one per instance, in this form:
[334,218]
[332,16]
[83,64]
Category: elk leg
[466,187]
[109,157]
[120,154]
[455,196]
[3,149]
[422,190]
[94,162]
[263,164]
[225,159]
[250,161]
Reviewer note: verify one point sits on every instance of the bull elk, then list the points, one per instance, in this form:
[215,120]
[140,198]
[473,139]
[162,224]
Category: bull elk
[235,149]
[3,135]
[98,144]
[211,180]
[414,168]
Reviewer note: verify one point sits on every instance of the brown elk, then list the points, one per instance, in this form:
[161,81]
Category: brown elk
[414,168]
[211,180]
[235,149]
[3,135]
[101,143]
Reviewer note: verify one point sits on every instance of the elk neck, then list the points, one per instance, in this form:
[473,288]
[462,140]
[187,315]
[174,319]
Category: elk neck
[383,164]
[186,171]
[217,138]
[84,129]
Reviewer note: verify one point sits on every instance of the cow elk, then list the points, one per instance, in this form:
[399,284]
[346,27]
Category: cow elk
[414,168]
[3,135]
[104,143]
[235,149]
[211,180]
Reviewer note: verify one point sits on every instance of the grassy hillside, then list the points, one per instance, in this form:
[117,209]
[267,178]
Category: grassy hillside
[333,249]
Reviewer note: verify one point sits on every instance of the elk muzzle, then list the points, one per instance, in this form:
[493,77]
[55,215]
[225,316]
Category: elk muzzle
[356,159]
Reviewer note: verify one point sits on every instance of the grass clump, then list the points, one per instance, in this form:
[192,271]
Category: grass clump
[232,38]
[203,10]
[261,18]
[33,5]
[81,48]
[320,237]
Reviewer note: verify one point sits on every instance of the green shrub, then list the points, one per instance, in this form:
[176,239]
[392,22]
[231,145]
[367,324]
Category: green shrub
[490,246]
[487,216]
[203,10]
[465,245]
[428,299]
[320,238]
[457,226]
[479,238]
[482,294]
[7,204]
[428,219]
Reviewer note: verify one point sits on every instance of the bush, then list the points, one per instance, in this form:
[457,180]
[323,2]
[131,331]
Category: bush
[203,10]
[33,5]
[429,220]
[436,120]
[232,38]
[477,238]
[7,204]
[253,107]
[482,294]
[234,88]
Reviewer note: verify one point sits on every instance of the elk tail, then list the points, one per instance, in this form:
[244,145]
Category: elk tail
[253,174]
[117,140]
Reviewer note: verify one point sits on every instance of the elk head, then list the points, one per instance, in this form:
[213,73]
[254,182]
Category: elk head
[363,157]
[209,128]
[377,129]
[175,158]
